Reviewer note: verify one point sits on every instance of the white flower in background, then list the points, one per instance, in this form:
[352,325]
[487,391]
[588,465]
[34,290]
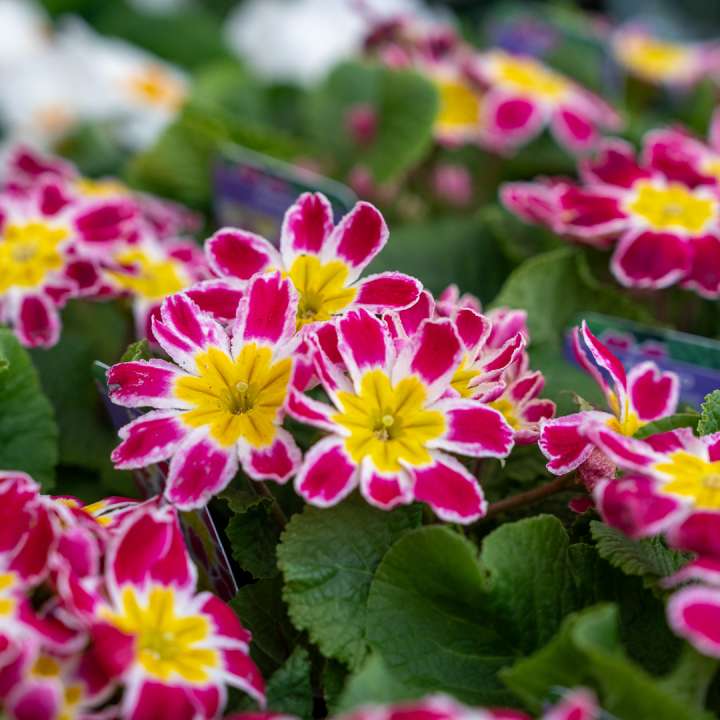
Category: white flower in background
[301,40]
[158,7]
[24,31]
[136,89]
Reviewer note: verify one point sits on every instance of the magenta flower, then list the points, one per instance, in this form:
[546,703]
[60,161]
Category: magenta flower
[522,96]
[220,401]
[644,395]
[322,261]
[661,213]
[394,419]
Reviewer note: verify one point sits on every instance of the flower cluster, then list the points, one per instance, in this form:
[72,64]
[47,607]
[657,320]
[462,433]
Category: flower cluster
[660,213]
[578,704]
[408,387]
[498,100]
[89,625]
[65,236]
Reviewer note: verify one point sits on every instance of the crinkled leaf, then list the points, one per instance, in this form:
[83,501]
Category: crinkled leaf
[587,651]
[648,558]
[253,535]
[289,690]
[328,558]
[710,416]
[28,433]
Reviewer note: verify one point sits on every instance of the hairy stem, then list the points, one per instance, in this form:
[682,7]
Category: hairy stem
[532,496]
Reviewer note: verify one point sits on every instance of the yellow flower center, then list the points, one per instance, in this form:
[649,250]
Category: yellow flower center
[672,207]
[322,288]
[504,406]
[653,59]
[167,645]
[530,77]
[148,277]
[460,105]
[462,378]
[29,252]
[389,424]
[693,477]
[99,188]
[156,86]
[236,399]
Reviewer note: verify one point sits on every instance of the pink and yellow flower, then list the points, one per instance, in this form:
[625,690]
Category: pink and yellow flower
[171,649]
[221,401]
[394,420]
[322,261]
[522,96]
[660,213]
[658,61]
[644,395]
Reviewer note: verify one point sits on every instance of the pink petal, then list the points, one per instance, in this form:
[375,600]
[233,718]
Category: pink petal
[474,429]
[576,705]
[614,164]
[535,202]
[37,323]
[148,439]
[607,363]
[677,156]
[225,622]
[704,569]
[411,317]
[85,275]
[512,120]
[387,290]
[694,614]
[306,226]
[592,215]
[105,223]
[37,701]
[278,462]
[625,452]
[199,469]
[653,393]
[385,491]
[113,649]
[647,259]
[634,506]
[239,254]
[704,273]
[697,533]
[309,411]
[563,443]
[219,298]
[241,672]
[327,474]
[473,328]
[364,342]
[359,236]
[450,490]
[156,700]
[267,313]
[143,383]
[435,352]
[164,558]
[573,130]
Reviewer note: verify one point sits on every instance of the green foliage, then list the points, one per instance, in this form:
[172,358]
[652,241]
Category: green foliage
[328,558]
[710,417]
[253,536]
[289,689]
[648,558]
[673,422]
[28,433]
[477,614]
[587,651]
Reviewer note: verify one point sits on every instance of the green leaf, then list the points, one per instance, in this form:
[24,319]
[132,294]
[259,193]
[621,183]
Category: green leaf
[587,651]
[476,615]
[289,690]
[710,416]
[648,558]
[139,350]
[28,433]
[328,558]
[261,609]
[673,422]
[253,536]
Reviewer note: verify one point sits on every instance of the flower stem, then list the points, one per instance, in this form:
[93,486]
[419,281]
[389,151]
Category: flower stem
[532,496]
[275,508]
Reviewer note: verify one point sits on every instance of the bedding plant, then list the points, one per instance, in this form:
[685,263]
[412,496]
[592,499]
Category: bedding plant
[380,466]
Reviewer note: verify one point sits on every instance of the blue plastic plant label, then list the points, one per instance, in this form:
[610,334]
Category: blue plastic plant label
[253,191]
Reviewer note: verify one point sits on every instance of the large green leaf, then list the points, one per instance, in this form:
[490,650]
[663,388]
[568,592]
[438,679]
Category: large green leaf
[710,417]
[443,619]
[28,433]
[328,558]
[587,651]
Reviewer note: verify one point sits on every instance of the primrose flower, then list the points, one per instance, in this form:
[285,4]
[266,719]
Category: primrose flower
[149,271]
[657,61]
[168,646]
[643,395]
[40,267]
[220,401]
[662,212]
[322,261]
[394,418]
[522,96]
